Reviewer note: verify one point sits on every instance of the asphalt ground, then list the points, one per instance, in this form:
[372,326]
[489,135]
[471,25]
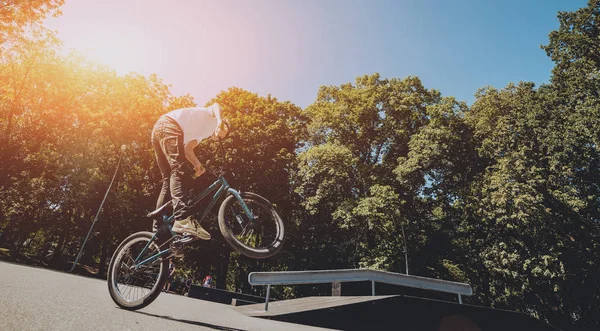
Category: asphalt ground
[41,299]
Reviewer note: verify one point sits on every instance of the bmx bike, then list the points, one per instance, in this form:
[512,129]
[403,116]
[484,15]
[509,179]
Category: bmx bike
[139,266]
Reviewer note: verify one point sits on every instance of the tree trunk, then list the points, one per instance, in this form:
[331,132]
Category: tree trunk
[18,241]
[222,273]
[58,251]
[7,237]
[103,257]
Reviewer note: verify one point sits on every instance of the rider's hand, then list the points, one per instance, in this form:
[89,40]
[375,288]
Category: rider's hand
[220,131]
[198,170]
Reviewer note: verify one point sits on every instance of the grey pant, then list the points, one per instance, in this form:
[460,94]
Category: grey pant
[167,139]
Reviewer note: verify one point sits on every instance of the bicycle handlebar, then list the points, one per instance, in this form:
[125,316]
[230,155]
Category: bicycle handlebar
[225,124]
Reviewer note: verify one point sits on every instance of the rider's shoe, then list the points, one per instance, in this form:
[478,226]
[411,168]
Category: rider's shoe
[192,227]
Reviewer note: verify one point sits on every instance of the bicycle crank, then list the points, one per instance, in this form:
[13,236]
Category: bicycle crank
[178,242]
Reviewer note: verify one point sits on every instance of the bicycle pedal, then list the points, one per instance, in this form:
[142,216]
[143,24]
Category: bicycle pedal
[177,254]
[187,239]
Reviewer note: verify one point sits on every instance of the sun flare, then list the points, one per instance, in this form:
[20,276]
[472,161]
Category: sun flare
[123,48]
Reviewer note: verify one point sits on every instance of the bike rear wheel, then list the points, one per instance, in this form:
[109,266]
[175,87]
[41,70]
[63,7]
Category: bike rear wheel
[132,288]
[259,238]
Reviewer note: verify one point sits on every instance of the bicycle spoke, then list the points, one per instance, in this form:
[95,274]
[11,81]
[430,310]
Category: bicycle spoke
[134,284]
[248,237]
[128,290]
[251,233]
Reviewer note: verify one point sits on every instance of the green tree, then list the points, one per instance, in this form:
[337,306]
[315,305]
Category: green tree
[575,173]
[17,17]
[356,208]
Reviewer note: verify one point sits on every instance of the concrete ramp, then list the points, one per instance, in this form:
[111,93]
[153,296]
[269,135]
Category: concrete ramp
[392,312]
[294,306]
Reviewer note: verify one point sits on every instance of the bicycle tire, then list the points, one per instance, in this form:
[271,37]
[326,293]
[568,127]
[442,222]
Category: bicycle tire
[113,288]
[275,243]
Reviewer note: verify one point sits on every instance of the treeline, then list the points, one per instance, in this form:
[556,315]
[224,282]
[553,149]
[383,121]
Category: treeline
[503,194]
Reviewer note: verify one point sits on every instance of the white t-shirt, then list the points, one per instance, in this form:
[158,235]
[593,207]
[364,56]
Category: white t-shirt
[197,123]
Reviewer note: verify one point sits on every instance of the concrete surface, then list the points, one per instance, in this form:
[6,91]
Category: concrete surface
[40,299]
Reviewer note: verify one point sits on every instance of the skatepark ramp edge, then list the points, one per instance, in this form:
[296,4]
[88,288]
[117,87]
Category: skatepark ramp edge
[355,275]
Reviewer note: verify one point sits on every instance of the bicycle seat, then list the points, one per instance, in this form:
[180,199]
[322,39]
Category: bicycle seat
[159,210]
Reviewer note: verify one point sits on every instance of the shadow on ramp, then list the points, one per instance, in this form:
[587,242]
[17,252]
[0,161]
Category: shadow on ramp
[207,325]
[393,312]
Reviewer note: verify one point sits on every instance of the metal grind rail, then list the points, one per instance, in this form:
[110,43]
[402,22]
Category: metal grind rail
[355,275]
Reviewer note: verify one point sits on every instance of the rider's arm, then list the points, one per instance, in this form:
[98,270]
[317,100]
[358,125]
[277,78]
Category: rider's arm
[191,156]
[220,130]
[217,112]
[216,108]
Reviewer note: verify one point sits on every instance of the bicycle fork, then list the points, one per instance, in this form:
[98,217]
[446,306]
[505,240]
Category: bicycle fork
[247,210]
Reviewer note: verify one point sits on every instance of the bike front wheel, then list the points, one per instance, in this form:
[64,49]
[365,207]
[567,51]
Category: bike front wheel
[259,238]
[134,288]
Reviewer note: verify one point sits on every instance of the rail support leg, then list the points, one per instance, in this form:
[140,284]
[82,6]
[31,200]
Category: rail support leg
[267,298]
[460,299]
[372,288]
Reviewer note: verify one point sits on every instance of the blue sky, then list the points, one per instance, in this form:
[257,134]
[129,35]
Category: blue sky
[289,48]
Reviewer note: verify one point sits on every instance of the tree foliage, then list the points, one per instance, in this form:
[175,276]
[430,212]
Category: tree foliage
[503,194]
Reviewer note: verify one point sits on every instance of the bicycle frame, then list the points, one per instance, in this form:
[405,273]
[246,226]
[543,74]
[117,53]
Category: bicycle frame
[220,186]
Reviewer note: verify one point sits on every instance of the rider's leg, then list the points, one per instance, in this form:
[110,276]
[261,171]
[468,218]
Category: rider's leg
[167,140]
[171,145]
[165,171]
[173,151]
